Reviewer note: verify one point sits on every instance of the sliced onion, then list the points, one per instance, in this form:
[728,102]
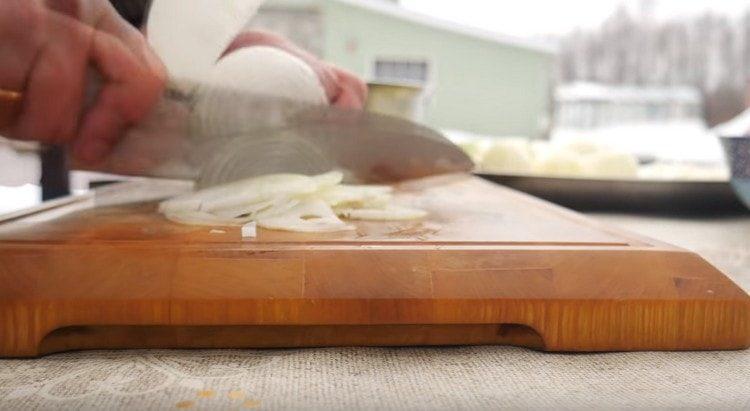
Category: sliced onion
[242,193]
[270,208]
[288,202]
[391,213]
[204,219]
[179,204]
[260,189]
[308,217]
[274,83]
[355,196]
[248,210]
[328,180]
[250,230]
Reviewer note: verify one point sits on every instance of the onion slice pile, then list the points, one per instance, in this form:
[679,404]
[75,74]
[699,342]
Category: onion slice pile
[288,202]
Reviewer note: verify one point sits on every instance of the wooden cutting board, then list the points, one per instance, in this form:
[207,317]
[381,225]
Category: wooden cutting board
[489,266]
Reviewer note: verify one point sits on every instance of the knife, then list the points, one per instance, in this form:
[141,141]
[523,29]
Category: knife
[215,136]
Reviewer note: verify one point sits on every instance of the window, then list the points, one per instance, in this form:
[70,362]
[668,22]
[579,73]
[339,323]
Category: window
[409,71]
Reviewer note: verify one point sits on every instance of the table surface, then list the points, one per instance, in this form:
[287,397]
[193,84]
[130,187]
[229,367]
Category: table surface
[408,378]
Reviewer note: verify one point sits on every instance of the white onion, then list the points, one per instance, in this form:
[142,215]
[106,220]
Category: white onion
[508,156]
[308,217]
[390,213]
[180,204]
[561,163]
[250,230]
[288,202]
[244,192]
[330,179]
[267,71]
[612,164]
[356,196]
[271,87]
[257,209]
[203,218]
[190,35]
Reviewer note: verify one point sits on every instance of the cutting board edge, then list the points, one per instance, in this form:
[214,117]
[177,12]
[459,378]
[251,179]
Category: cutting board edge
[598,326]
[137,288]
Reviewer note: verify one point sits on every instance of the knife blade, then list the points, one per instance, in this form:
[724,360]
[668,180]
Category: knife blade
[215,136]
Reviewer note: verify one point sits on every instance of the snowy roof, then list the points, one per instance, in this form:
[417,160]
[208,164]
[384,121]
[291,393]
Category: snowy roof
[738,126]
[584,91]
[392,9]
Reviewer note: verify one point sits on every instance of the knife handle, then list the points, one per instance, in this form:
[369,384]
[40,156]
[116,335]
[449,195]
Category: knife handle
[10,107]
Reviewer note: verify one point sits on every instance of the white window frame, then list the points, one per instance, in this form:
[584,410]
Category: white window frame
[430,66]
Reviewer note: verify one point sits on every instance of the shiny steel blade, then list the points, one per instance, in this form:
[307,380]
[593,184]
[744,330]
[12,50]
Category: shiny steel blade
[226,135]
[368,147]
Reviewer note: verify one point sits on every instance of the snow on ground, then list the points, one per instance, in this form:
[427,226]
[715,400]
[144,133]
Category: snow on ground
[581,91]
[687,141]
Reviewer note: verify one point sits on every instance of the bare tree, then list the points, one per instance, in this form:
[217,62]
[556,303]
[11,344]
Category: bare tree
[710,52]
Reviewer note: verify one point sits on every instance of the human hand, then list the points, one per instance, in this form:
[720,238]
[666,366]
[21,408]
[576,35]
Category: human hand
[48,48]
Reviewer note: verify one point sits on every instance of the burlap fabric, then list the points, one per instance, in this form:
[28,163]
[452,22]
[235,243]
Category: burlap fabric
[407,378]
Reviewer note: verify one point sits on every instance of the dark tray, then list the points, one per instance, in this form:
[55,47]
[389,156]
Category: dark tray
[627,195]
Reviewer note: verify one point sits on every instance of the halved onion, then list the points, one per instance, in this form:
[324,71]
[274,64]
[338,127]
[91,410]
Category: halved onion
[268,71]
[190,35]
[276,84]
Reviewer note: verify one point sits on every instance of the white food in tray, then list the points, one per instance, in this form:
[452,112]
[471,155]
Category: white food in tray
[580,158]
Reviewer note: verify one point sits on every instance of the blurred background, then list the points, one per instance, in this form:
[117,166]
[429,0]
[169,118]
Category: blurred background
[658,79]
[605,89]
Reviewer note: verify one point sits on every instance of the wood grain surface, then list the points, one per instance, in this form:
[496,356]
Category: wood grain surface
[488,266]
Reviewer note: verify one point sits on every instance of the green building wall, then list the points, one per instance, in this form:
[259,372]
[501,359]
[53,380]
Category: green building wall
[480,86]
